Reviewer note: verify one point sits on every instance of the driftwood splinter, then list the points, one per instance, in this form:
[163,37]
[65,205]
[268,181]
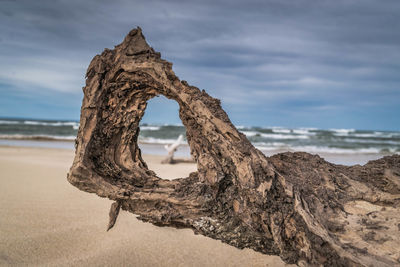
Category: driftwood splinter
[295,205]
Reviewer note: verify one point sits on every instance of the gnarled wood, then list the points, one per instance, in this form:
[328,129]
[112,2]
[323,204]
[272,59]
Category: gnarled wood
[295,205]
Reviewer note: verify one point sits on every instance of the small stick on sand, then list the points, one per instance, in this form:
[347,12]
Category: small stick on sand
[114,211]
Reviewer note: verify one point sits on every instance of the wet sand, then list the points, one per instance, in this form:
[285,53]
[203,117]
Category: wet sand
[46,221]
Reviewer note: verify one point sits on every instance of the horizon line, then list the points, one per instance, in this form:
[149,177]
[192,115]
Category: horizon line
[181,124]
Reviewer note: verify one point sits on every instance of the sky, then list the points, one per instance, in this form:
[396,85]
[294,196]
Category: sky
[290,63]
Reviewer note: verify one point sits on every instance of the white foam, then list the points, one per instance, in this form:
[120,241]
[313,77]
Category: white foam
[9,122]
[150,128]
[37,137]
[280,130]
[158,140]
[251,133]
[241,127]
[303,131]
[370,141]
[322,149]
[342,132]
[174,124]
[284,136]
[375,134]
[275,135]
[334,150]
[59,123]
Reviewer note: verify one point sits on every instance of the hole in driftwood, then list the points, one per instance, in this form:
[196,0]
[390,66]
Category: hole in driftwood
[160,131]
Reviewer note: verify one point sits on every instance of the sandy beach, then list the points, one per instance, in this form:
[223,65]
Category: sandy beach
[46,221]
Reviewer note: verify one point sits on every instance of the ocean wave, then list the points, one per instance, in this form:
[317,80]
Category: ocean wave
[250,133]
[300,131]
[374,135]
[74,124]
[329,150]
[43,137]
[367,134]
[280,130]
[305,131]
[271,146]
[58,123]
[149,128]
[343,130]
[241,127]
[336,150]
[284,136]
[152,140]
[371,141]
[274,136]
[9,122]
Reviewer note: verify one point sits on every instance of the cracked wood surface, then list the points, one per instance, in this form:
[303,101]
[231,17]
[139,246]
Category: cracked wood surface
[295,205]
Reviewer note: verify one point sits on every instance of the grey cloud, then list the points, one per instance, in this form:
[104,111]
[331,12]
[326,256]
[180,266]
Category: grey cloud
[248,53]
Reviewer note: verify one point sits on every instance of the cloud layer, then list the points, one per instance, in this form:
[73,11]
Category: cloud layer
[291,63]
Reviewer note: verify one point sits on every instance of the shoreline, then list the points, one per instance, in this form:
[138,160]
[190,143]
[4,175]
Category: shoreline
[184,150]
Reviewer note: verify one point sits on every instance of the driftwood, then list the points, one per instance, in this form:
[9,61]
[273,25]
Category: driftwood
[295,205]
[171,150]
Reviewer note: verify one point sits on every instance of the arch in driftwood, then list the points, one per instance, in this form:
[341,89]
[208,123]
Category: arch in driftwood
[295,205]
[120,96]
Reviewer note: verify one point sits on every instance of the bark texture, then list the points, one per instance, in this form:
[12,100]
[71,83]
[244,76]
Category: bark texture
[295,205]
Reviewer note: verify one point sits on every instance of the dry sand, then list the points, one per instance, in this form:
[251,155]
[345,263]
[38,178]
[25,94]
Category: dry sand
[46,221]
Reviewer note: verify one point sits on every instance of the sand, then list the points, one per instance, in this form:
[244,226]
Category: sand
[46,221]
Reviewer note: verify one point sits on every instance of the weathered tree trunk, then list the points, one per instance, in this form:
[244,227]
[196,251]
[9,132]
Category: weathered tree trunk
[295,205]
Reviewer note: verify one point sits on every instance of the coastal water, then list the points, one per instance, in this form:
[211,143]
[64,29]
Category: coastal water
[27,132]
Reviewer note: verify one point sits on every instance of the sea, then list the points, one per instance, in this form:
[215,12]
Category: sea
[268,139]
